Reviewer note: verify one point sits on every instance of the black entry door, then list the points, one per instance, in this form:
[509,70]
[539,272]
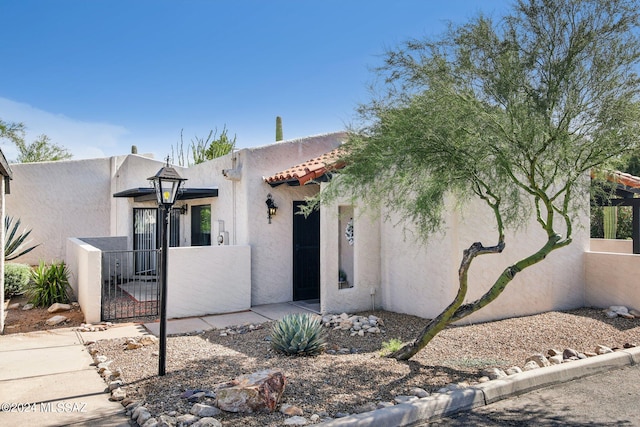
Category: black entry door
[306,254]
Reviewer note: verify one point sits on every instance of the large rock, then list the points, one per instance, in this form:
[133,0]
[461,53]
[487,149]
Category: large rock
[257,392]
[56,307]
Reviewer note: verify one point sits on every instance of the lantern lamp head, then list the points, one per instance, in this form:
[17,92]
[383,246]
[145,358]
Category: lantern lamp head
[167,184]
[271,207]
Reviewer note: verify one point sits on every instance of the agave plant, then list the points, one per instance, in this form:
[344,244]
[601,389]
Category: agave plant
[15,243]
[298,334]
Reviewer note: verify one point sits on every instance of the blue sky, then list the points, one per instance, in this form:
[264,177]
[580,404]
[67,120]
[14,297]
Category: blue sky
[98,76]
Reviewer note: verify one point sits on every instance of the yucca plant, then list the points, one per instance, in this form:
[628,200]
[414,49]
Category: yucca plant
[49,284]
[15,243]
[298,334]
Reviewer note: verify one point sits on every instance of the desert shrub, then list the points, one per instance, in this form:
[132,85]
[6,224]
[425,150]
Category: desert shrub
[298,334]
[388,347]
[16,279]
[49,284]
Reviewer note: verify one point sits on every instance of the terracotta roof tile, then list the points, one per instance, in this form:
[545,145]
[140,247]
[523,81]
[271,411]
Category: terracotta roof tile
[309,170]
[622,178]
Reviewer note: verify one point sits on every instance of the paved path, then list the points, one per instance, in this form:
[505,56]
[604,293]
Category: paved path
[46,379]
[605,399]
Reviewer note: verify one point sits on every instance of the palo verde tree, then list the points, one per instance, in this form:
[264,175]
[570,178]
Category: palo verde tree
[515,112]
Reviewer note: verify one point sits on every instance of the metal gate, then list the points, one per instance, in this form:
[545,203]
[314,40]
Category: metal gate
[130,290]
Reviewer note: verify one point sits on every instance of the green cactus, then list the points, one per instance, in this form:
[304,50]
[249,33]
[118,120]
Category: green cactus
[298,334]
[610,221]
[279,128]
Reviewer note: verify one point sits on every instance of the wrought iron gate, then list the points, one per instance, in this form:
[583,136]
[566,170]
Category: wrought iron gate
[130,284]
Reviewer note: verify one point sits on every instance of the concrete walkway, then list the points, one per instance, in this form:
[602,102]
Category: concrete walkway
[46,379]
[257,314]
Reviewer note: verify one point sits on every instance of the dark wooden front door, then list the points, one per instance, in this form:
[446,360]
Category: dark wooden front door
[306,254]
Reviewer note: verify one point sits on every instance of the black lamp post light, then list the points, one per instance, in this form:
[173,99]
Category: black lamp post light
[167,183]
[271,207]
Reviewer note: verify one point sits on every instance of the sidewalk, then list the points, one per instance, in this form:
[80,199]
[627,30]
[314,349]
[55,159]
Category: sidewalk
[46,379]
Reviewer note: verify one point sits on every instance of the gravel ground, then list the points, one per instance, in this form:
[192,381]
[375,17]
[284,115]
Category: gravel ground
[329,384]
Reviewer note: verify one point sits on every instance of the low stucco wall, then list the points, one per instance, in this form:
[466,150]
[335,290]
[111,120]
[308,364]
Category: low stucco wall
[201,280]
[611,245]
[208,280]
[84,263]
[612,279]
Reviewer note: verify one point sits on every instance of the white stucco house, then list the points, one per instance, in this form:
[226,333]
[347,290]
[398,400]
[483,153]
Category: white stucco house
[227,254]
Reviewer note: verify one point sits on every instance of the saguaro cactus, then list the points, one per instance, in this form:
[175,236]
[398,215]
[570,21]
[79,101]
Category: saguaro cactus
[610,221]
[278,128]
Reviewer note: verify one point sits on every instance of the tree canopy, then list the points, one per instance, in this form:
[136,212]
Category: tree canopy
[40,150]
[514,111]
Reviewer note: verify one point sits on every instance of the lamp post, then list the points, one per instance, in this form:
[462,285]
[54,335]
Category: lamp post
[166,183]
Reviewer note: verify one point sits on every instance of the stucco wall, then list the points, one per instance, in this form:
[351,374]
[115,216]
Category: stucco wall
[272,244]
[422,279]
[611,245]
[612,279]
[58,200]
[366,292]
[208,280]
[84,263]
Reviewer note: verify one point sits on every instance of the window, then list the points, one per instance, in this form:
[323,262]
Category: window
[201,225]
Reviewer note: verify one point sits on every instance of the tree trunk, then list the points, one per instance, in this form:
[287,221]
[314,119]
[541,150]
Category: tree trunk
[456,310]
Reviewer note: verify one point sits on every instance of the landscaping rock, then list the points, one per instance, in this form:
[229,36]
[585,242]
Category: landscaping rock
[148,340]
[57,307]
[187,419]
[290,410]
[202,410]
[296,421]
[207,422]
[602,349]
[27,307]
[568,353]
[56,320]
[494,373]
[634,312]
[260,391]
[531,365]
[14,306]
[513,370]
[419,392]
[118,394]
[539,358]
[556,359]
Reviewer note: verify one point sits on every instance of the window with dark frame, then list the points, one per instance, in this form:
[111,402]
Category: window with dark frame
[201,225]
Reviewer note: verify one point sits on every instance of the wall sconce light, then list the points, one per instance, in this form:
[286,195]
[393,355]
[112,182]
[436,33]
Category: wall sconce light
[271,207]
[184,209]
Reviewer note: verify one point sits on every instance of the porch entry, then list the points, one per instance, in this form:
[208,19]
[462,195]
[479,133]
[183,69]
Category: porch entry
[306,254]
[130,279]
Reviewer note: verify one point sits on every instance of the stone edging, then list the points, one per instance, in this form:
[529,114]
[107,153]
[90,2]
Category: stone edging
[444,404]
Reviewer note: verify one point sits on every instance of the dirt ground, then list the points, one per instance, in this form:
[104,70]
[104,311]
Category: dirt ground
[19,320]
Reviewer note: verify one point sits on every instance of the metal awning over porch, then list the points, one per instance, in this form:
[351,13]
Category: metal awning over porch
[147,194]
